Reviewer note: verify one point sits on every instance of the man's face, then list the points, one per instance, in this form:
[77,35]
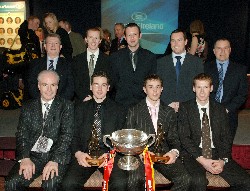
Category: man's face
[93,39]
[99,88]
[153,89]
[202,90]
[222,50]
[52,46]
[48,86]
[119,31]
[132,37]
[35,24]
[178,43]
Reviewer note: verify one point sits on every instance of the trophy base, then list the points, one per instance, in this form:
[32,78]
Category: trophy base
[95,161]
[159,159]
[128,163]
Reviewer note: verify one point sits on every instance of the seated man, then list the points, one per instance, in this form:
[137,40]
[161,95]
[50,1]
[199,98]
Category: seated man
[103,114]
[206,140]
[43,136]
[146,116]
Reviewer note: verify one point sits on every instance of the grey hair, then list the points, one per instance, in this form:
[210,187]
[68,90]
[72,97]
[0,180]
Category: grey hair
[48,72]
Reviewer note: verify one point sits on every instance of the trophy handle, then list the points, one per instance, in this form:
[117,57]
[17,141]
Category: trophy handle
[152,142]
[104,140]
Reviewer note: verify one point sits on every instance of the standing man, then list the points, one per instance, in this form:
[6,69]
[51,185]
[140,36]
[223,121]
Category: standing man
[43,137]
[76,39]
[229,81]
[87,63]
[111,117]
[206,139]
[129,67]
[52,62]
[177,70]
[119,41]
[146,116]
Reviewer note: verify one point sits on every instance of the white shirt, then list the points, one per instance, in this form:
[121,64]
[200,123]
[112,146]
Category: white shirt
[54,63]
[201,115]
[43,106]
[183,55]
[96,53]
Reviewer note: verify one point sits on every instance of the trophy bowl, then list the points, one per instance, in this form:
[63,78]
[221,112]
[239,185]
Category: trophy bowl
[129,142]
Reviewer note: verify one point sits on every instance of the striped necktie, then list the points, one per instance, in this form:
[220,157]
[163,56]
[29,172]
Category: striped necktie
[51,67]
[98,122]
[219,90]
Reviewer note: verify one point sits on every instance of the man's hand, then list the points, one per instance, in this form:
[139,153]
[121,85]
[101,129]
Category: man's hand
[81,158]
[27,168]
[103,157]
[89,97]
[175,106]
[50,169]
[172,157]
[212,166]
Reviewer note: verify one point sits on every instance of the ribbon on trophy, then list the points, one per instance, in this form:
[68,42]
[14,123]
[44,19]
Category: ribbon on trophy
[149,171]
[109,162]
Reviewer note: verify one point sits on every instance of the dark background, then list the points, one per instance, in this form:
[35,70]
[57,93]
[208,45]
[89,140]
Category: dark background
[222,18]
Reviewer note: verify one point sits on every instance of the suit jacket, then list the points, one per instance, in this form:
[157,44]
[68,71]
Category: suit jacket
[235,87]
[191,66]
[58,127]
[77,43]
[114,45]
[139,118]
[81,73]
[127,82]
[63,69]
[112,119]
[189,127]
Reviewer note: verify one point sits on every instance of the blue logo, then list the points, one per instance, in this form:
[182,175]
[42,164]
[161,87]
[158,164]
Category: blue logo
[139,16]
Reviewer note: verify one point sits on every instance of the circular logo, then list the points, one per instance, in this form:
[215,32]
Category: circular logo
[6,103]
[139,16]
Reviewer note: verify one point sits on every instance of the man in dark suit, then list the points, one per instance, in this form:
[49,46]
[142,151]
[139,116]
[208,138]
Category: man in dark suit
[119,41]
[76,39]
[231,87]
[112,118]
[146,116]
[52,62]
[177,71]
[206,140]
[129,67]
[84,65]
[44,134]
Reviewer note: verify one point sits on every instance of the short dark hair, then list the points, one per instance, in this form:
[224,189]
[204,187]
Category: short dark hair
[177,31]
[100,74]
[204,77]
[132,25]
[222,39]
[152,77]
[121,24]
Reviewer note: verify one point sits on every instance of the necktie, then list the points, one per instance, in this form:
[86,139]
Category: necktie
[118,43]
[154,117]
[133,60]
[98,122]
[218,93]
[91,65]
[47,107]
[178,66]
[206,139]
[51,67]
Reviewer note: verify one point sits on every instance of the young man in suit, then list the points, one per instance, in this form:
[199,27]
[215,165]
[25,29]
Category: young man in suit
[229,81]
[76,39]
[146,116]
[129,67]
[43,137]
[87,63]
[111,117]
[206,140]
[119,41]
[52,62]
[177,70]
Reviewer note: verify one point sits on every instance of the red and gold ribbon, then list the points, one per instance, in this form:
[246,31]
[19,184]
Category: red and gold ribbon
[149,171]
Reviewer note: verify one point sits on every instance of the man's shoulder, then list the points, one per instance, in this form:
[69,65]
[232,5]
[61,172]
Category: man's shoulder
[193,59]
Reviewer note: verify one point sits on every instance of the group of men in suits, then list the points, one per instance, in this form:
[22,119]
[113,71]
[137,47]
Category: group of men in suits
[139,91]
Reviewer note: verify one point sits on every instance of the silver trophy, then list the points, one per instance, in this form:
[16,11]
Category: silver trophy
[129,142]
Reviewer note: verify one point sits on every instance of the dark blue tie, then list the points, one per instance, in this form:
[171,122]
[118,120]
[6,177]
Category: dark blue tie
[178,66]
[51,67]
[218,93]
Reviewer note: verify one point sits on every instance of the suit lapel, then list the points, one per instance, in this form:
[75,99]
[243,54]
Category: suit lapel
[52,111]
[195,118]
[145,117]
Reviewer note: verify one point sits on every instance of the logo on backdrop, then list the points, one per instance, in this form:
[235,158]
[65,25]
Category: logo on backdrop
[139,16]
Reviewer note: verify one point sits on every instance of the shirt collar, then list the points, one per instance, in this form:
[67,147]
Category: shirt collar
[49,102]
[183,55]
[96,53]
[202,106]
[150,105]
